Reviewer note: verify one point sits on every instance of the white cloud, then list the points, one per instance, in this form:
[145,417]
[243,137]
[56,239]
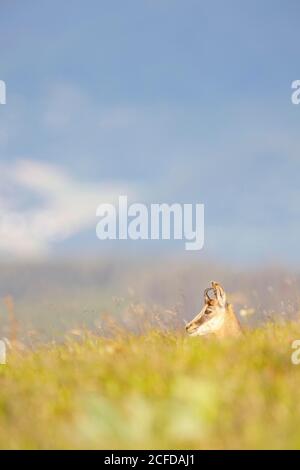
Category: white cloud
[60,207]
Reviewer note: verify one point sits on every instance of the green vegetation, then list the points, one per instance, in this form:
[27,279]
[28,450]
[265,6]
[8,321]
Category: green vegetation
[157,390]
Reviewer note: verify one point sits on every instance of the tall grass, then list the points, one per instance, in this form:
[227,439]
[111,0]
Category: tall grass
[157,389]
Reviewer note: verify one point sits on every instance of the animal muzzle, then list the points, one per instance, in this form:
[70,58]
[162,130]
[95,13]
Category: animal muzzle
[191,329]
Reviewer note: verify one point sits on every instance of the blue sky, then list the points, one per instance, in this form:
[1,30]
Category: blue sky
[175,101]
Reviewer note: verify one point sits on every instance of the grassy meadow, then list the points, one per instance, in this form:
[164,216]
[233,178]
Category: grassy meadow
[153,390]
[87,369]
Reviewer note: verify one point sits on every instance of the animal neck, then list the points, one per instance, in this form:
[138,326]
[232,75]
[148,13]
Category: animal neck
[231,325]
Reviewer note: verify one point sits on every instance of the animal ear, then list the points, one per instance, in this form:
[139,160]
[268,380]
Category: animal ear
[220,294]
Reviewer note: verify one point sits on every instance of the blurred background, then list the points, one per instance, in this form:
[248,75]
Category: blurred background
[166,101]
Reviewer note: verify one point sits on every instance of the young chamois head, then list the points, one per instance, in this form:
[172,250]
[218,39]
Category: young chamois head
[216,317]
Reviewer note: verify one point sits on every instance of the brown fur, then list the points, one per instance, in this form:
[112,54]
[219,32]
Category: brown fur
[216,318]
[231,325]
